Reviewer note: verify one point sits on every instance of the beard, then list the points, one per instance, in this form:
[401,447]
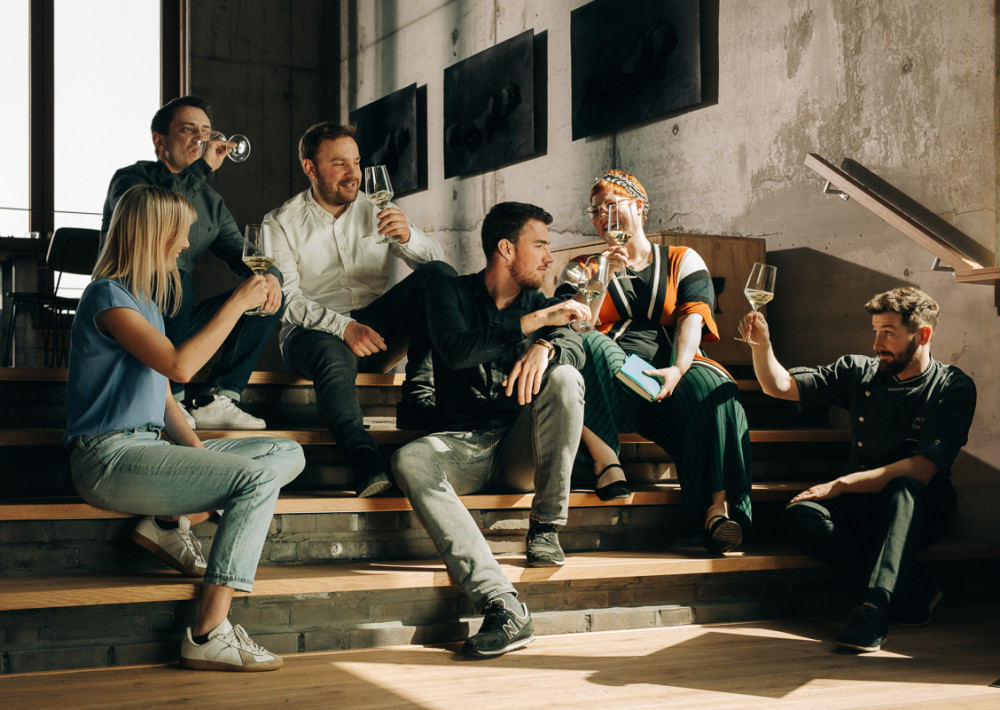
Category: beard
[528,279]
[898,362]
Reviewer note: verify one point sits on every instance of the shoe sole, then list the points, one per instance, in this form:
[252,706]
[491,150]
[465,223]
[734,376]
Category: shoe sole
[938,596]
[198,664]
[727,536]
[862,649]
[375,488]
[546,563]
[506,649]
[166,558]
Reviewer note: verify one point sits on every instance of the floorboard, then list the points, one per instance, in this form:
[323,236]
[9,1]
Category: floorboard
[788,664]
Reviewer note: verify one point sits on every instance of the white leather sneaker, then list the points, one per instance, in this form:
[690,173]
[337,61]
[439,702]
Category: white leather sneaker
[178,548]
[187,416]
[229,648]
[222,413]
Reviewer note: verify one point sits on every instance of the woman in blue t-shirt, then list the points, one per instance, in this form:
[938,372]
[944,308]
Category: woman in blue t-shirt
[118,402]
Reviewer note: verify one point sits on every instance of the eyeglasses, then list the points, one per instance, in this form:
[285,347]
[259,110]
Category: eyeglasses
[602,210]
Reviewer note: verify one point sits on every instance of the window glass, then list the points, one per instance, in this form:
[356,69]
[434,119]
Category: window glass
[14,19]
[106,90]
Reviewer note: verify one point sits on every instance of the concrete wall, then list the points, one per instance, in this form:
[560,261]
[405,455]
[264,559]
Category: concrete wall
[905,87]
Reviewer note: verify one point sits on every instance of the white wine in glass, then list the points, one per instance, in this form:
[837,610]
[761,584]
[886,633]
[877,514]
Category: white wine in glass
[379,190]
[257,255]
[759,290]
[619,228]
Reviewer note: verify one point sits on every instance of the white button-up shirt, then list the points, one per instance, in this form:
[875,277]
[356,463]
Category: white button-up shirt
[334,265]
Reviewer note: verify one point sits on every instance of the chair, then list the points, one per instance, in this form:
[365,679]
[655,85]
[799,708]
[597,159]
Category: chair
[71,251]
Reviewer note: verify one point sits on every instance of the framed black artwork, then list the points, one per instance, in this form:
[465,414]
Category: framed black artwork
[489,108]
[633,60]
[392,131]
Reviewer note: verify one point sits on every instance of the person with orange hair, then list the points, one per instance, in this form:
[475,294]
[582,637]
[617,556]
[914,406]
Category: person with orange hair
[660,309]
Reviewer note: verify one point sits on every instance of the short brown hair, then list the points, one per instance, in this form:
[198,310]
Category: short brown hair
[915,306]
[317,133]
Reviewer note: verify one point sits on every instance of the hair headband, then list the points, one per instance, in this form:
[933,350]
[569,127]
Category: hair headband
[629,185]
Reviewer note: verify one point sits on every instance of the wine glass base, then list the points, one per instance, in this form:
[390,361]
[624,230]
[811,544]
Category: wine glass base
[581,326]
[257,312]
[747,341]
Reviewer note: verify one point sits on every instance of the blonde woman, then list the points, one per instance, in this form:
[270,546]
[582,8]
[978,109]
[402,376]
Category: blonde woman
[118,403]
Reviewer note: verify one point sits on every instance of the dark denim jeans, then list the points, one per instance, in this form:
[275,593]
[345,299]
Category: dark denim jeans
[238,354]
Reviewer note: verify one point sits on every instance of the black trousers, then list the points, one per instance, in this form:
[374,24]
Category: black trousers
[400,317]
[875,535]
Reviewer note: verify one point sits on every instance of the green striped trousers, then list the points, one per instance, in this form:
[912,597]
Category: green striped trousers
[702,427]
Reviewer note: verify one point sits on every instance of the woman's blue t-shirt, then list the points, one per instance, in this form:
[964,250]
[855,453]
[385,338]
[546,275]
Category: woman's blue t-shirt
[108,389]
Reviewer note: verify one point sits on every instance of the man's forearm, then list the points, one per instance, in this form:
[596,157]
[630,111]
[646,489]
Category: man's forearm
[774,379]
[874,480]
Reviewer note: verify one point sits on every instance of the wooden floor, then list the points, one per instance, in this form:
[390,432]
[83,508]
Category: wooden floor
[788,664]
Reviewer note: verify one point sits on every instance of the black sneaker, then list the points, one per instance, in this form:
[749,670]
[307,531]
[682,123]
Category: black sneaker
[370,476]
[543,546]
[867,629]
[915,609]
[503,630]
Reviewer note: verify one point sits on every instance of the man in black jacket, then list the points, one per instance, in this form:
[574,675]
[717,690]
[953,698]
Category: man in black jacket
[510,398]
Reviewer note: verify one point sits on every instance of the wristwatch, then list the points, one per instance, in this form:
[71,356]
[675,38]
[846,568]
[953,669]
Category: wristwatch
[546,344]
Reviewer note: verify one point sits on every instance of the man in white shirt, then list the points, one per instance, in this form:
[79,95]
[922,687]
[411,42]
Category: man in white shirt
[339,319]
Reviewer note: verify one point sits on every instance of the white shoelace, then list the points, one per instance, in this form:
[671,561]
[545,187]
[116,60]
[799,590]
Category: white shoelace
[192,543]
[239,638]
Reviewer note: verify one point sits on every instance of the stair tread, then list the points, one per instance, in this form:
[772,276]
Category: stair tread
[385,433]
[99,589]
[345,502]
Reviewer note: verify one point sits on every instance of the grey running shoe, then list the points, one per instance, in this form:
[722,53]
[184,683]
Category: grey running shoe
[543,546]
[503,630]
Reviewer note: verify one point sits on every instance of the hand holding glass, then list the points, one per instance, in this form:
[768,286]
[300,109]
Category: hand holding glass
[620,230]
[379,190]
[257,255]
[591,280]
[759,290]
[240,150]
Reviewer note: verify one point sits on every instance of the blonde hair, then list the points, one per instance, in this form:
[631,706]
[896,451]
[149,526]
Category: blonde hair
[147,222]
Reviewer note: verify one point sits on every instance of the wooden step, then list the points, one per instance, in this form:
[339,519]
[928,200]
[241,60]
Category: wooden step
[277,378]
[18,593]
[385,433]
[346,502]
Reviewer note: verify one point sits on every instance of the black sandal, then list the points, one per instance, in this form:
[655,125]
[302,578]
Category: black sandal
[722,534]
[612,491]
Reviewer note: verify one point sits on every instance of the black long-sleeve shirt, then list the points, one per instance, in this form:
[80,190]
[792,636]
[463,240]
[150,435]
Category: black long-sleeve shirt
[476,345]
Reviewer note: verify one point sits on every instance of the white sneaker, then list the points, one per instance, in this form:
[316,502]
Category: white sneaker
[222,413]
[178,548]
[229,648]
[187,416]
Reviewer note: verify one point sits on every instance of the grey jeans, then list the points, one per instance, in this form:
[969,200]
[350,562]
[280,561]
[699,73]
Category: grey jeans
[534,453]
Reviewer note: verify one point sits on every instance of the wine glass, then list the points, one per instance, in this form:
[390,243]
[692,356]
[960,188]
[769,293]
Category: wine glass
[619,228]
[759,290]
[379,190]
[590,279]
[240,150]
[257,255]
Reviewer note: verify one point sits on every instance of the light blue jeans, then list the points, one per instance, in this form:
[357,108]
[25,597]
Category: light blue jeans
[535,453]
[138,472]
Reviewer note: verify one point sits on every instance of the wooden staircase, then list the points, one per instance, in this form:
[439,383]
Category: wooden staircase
[339,572]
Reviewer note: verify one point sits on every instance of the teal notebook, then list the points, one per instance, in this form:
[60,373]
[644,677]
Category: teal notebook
[631,376]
